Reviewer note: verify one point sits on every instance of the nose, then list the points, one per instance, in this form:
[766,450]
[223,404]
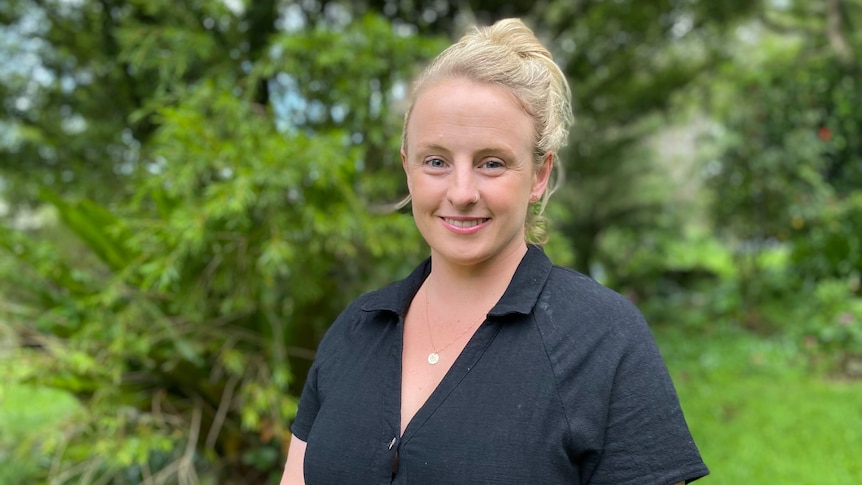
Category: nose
[463,190]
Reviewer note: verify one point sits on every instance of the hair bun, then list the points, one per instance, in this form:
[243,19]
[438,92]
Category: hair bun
[515,34]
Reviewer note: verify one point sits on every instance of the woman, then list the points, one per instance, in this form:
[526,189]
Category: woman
[488,364]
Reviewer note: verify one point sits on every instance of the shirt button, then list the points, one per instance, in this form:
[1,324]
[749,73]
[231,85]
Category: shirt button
[392,443]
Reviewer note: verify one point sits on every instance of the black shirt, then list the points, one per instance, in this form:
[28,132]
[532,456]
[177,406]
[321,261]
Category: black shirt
[562,383]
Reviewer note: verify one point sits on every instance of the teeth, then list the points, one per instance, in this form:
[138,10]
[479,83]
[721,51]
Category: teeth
[469,223]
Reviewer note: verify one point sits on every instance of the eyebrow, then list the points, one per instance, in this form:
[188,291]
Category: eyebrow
[498,151]
[434,147]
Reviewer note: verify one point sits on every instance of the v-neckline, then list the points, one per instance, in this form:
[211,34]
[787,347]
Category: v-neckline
[466,360]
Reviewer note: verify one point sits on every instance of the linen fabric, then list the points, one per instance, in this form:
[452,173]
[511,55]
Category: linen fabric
[562,383]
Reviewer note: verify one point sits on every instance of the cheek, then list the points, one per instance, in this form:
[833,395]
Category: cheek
[422,186]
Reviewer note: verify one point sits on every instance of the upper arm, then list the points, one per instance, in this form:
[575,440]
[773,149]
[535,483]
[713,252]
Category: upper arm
[646,438]
[293,469]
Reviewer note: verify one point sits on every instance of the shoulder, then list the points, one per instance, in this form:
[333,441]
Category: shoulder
[383,306]
[577,299]
[586,326]
[599,345]
[354,315]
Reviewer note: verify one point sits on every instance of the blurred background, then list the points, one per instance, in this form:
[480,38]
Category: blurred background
[191,191]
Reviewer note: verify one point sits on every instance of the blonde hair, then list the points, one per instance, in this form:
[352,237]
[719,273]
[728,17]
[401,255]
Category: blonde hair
[509,54]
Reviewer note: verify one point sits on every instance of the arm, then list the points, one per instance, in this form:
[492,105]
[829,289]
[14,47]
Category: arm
[293,468]
[646,436]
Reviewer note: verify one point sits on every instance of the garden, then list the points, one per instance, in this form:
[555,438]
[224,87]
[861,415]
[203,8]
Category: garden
[191,192]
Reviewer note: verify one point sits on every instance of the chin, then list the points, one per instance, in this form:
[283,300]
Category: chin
[472,255]
[463,255]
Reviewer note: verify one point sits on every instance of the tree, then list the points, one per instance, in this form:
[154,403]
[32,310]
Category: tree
[625,60]
[792,149]
[183,308]
[784,168]
[91,74]
[215,170]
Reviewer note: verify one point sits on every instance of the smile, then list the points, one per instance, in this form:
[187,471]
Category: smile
[464,223]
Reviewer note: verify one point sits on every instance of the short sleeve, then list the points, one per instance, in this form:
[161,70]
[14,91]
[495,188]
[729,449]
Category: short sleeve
[309,405]
[647,439]
[327,352]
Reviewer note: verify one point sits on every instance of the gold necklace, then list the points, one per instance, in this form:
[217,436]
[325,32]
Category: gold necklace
[434,356]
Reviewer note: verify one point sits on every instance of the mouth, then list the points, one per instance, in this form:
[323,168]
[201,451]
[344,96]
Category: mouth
[466,223]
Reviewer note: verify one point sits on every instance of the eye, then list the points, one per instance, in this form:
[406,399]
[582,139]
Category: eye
[493,165]
[435,163]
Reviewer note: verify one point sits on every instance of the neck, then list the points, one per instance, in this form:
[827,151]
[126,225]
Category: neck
[480,285]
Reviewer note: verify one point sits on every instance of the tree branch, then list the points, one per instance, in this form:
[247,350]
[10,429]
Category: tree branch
[835,32]
[780,28]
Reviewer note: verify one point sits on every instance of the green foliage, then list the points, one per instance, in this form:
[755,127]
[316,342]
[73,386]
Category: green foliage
[184,316]
[833,327]
[665,262]
[353,79]
[784,168]
[791,151]
[778,164]
[211,185]
[89,77]
[828,245]
[826,261]
[625,62]
[25,412]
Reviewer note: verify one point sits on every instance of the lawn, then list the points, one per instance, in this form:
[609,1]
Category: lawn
[23,410]
[759,415]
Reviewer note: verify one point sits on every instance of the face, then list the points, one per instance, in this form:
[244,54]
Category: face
[469,163]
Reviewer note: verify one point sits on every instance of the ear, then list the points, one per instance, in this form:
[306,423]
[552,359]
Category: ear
[543,175]
[406,171]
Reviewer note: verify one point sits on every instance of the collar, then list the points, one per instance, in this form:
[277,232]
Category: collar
[520,296]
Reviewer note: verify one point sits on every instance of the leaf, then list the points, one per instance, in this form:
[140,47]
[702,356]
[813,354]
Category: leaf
[103,232]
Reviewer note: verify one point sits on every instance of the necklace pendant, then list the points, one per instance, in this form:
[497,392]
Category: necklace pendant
[433,358]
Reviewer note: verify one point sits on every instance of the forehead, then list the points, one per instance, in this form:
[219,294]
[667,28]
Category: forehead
[459,111]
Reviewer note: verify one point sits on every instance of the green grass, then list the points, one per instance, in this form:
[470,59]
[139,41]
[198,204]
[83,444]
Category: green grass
[759,415]
[25,410]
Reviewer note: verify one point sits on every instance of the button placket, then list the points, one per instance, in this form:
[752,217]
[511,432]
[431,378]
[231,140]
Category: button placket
[392,445]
